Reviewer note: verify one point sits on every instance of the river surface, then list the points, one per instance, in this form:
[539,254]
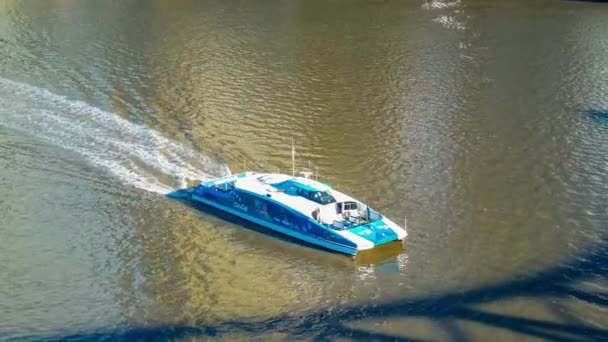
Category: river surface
[485,122]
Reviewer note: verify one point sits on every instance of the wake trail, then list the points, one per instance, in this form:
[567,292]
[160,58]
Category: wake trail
[135,154]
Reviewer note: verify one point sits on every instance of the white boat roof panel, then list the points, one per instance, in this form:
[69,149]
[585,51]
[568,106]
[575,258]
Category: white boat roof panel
[263,185]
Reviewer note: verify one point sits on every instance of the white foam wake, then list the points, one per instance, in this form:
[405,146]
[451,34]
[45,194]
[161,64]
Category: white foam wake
[135,154]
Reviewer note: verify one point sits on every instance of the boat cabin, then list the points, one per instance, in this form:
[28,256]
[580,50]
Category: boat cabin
[345,215]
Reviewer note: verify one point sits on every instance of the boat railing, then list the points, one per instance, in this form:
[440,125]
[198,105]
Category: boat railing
[350,222]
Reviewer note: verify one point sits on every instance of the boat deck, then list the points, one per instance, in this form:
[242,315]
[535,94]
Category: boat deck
[261,184]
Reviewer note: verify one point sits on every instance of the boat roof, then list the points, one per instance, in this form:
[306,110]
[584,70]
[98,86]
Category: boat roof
[302,183]
[275,184]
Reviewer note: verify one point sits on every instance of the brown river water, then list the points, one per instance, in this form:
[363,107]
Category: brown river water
[484,122]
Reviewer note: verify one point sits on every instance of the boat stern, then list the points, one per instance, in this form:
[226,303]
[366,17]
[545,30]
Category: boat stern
[374,234]
[401,232]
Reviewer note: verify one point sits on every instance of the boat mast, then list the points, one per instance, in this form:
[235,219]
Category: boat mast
[293,158]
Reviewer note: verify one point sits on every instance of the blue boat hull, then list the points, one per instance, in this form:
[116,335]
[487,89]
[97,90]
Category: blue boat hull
[280,219]
[249,196]
[280,229]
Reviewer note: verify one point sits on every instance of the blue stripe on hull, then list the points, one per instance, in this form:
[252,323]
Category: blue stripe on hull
[309,239]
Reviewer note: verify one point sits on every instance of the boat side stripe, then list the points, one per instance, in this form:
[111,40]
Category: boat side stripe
[315,241]
[361,242]
[299,213]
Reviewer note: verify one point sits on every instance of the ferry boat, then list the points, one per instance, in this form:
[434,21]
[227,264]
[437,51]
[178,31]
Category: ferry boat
[300,207]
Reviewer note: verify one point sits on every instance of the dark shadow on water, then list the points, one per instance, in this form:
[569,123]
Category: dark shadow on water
[445,310]
[595,1]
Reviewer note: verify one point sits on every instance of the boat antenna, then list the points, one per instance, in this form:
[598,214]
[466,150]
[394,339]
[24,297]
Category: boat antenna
[293,158]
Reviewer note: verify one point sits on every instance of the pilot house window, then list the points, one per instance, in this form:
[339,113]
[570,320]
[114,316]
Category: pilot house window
[350,206]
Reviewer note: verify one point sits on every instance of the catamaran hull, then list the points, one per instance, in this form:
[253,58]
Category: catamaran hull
[280,229]
[269,211]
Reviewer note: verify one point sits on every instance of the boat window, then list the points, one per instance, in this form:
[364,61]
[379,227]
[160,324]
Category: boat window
[323,197]
[294,189]
[350,206]
[224,187]
[304,193]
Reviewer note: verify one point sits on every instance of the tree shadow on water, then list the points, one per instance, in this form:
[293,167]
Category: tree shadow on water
[444,310]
